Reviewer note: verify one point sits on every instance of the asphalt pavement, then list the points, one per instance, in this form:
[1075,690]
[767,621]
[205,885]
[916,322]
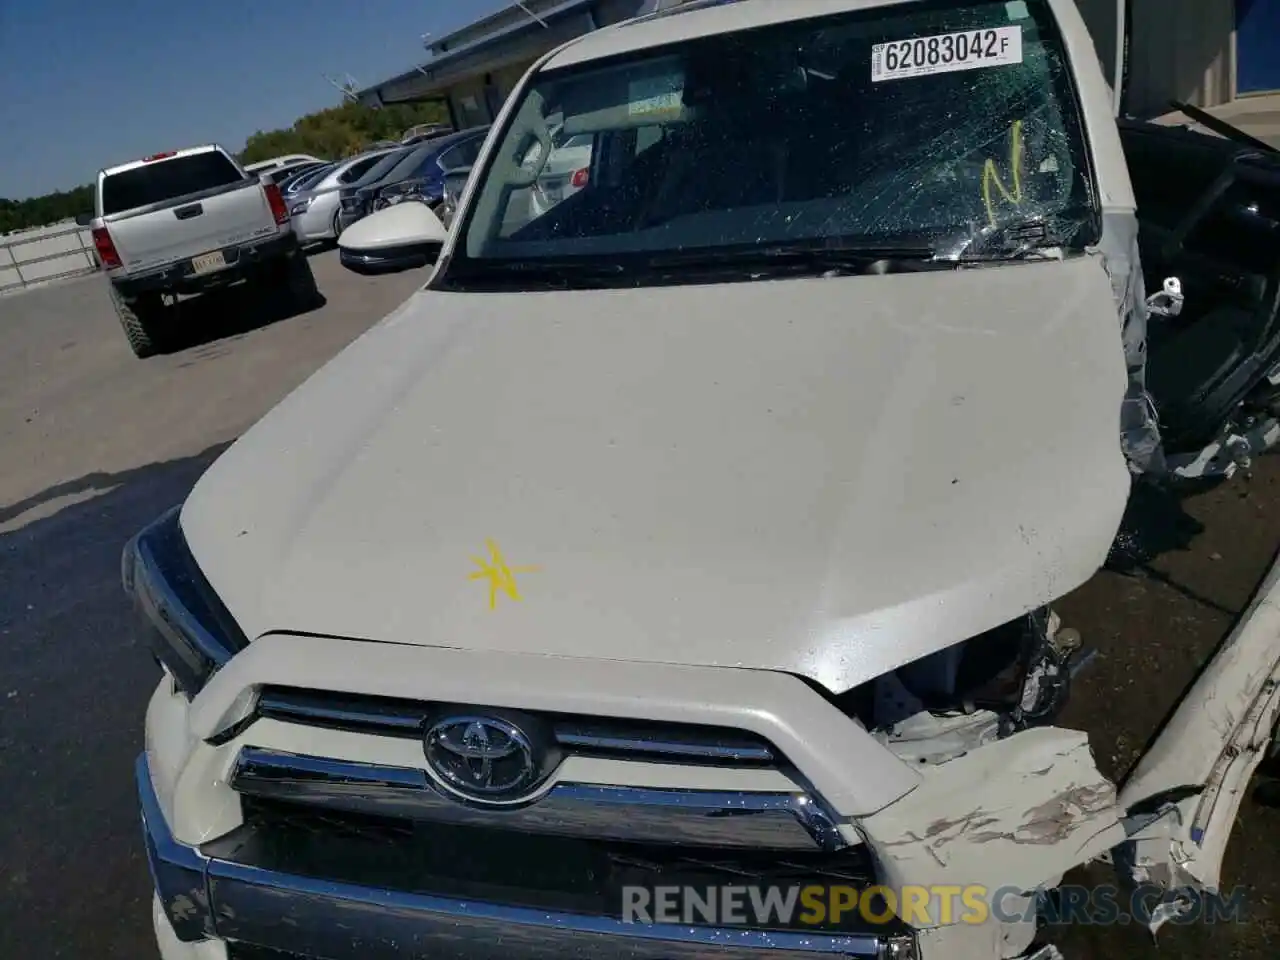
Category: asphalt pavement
[95,443]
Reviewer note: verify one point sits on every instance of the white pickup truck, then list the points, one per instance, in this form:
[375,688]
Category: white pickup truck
[673,576]
[184,222]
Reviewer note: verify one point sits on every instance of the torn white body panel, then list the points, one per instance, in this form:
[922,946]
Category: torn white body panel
[1016,814]
[1188,787]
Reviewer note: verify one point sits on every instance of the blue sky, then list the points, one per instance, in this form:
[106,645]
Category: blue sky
[88,84]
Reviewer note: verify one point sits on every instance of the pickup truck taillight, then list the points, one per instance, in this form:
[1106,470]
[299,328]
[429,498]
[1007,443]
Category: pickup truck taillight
[580,177]
[276,201]
[106,248]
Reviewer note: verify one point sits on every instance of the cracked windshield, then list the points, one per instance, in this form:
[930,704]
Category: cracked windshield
[798,134]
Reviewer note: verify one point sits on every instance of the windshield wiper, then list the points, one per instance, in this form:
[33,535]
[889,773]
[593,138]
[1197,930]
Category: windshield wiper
[1011,255]
[545,274]
[792,259]
[1032,239]
[698,265]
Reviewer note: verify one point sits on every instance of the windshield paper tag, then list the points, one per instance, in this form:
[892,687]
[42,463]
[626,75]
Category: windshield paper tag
[656,96]
[946,53]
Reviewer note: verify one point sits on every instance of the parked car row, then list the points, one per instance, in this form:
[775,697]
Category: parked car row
[182,222]
[411,236]
[333,197]
[418,171]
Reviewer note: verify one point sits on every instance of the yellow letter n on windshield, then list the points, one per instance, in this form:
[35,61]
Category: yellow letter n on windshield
[994,185]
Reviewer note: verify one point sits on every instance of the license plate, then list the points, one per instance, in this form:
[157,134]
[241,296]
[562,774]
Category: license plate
[208,262]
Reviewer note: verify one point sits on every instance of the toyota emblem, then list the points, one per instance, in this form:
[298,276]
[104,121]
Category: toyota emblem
[484,759]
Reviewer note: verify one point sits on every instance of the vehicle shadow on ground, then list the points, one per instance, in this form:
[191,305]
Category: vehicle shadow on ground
[231,312]
[1155,522]
[74,687]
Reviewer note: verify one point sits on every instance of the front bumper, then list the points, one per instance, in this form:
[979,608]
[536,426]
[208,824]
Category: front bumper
[207,902]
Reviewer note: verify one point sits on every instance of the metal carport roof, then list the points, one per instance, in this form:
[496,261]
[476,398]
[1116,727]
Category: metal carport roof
[524,40]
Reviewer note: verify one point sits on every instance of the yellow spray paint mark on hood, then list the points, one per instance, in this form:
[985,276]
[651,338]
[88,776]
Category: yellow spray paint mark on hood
[501,577]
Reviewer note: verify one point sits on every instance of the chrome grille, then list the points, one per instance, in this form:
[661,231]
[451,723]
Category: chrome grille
[754,803]
[583,736]
[488,864]
[752,820]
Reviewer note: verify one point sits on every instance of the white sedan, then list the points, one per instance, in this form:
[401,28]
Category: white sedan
[565,173]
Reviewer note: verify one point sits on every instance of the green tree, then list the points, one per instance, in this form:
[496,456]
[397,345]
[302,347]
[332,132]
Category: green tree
[51,208]
[340,131]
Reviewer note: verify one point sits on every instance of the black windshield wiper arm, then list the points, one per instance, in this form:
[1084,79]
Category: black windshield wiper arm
[551,274]
[870,258]
[835,253]
[743,262]
[1034,239]
[602,268]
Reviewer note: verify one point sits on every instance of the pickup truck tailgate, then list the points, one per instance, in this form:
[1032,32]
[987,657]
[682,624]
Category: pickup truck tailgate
[179,230]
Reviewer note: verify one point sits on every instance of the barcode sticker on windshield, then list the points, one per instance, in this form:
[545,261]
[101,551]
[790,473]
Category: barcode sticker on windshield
[946,53]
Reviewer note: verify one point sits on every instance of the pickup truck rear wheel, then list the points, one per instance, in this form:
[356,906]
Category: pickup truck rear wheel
[140,319]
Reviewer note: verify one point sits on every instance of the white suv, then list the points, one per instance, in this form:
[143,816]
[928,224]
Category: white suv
[693,543]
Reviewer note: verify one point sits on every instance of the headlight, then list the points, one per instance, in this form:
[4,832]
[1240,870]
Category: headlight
[300,207]
[183,622]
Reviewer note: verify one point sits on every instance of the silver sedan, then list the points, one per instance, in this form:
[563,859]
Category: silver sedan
[315,210]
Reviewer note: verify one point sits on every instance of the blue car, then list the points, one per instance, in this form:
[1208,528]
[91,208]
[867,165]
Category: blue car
[420,172]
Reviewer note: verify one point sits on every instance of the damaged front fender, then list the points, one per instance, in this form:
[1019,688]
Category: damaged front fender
[1185,793]
[1019,813]
[1139,423]
[1016,814]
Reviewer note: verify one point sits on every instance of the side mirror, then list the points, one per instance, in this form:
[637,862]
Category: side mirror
[84,219]
[398,237]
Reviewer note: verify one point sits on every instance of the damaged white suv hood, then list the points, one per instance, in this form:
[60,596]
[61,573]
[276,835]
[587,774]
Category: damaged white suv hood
[828,477]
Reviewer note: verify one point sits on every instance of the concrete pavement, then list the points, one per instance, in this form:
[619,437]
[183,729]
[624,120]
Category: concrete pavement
[94,444]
